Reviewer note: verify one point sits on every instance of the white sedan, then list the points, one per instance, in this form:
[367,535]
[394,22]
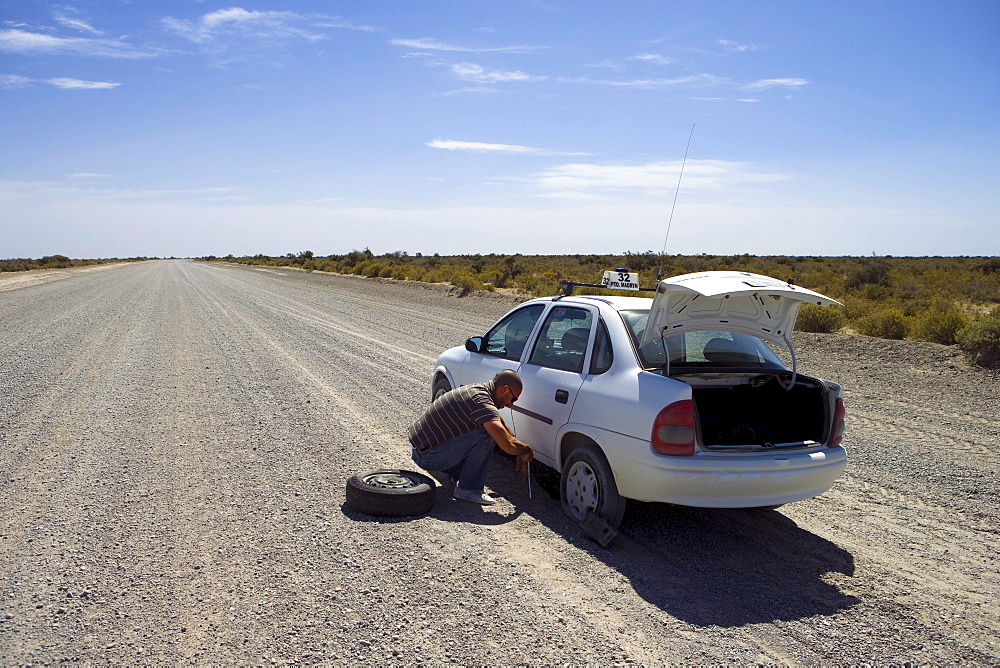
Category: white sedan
[677,399]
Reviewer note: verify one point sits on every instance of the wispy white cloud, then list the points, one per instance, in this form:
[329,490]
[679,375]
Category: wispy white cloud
[68,83]
[430,44]
[344,24]
[70,18]
[692,81]
[735,47]
[236,21]
[14,81]
[727,99]
[78,186]
[653,179]
[79,84]
[764,84]
[473,90]
[223,30]
[606,64]
[654,59]
[23,42]
[477,73]
[485,147]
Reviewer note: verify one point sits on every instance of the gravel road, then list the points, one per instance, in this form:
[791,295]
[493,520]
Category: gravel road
[175,439]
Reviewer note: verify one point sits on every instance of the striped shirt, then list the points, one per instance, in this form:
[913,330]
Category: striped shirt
[453,414]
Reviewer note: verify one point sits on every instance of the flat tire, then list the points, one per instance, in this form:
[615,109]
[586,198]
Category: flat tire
[588,485]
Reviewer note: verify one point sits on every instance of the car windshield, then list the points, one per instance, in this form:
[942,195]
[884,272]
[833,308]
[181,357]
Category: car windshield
[704,349]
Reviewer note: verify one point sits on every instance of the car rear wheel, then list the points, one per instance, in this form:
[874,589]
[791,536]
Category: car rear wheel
[588,485]
[441,387]
[390,493]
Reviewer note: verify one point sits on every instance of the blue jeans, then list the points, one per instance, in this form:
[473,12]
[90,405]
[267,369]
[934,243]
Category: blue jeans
[465,458]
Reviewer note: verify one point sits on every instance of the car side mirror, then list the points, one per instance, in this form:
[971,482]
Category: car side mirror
[474,344]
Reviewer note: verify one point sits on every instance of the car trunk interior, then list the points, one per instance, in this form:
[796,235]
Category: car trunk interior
[754,410]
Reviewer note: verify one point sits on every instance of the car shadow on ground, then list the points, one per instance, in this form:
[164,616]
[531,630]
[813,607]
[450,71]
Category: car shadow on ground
[708,567]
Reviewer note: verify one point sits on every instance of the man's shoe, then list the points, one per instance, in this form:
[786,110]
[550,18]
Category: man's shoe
[481,498]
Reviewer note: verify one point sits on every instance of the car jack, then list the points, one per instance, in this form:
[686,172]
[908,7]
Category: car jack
[595,527]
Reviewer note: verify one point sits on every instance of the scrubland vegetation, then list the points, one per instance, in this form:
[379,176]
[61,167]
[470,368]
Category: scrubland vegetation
[944,300]
[57,262]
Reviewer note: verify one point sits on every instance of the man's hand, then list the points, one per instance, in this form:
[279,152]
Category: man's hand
[523,457]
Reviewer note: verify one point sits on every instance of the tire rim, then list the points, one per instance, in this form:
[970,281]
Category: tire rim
[583,490]
[388,481]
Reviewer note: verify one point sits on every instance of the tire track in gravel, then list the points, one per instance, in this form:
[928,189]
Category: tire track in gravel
[916,564]
[363,327]
[81,377]
[914,437]
[334,380]
[406,314]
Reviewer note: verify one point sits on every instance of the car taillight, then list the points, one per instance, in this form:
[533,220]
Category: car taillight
[673,429]
[838,423]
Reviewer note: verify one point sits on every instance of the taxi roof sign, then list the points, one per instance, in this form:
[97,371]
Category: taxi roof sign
[616,279]
[621,279]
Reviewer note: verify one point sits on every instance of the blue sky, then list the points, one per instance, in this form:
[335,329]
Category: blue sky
[182,128]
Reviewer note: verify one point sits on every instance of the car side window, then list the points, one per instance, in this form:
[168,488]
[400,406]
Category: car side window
[509,336]
[562,343]
[603,354]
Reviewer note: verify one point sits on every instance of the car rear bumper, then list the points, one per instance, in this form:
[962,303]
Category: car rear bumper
[721,480]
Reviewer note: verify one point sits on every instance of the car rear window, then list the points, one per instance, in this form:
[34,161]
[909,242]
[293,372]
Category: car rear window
[701,349]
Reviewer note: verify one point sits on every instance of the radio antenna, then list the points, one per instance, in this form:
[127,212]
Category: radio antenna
[659,271]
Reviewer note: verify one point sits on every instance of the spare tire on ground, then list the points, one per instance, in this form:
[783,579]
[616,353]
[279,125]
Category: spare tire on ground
[390,493]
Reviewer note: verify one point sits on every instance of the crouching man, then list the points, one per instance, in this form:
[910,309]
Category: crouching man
[454,437]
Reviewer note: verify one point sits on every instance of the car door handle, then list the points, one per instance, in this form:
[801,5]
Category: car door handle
[562,397]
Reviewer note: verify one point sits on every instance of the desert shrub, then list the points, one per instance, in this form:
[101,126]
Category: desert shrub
[872,292]
[885,324]
[981,340]
[18,264]
[938,325]
[990,266]
[873,272]
[466,284]
[813,318]
[542,283]
[55,262]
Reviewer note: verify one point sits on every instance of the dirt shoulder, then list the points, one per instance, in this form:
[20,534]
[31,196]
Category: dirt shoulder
[13,280]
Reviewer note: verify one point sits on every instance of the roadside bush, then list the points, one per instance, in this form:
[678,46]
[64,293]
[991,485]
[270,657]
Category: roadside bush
[981,340]
[466,284]
[938,325]
[55,262]
[813,318]
[887,324]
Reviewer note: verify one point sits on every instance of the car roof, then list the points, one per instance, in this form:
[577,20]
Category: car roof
[618,303]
